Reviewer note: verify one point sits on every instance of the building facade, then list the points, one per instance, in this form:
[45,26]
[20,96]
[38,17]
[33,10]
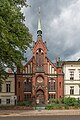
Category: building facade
[7,91]
[71,71]
[40,79]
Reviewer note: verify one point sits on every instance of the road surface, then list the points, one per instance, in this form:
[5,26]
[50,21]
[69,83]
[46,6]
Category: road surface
[74,117]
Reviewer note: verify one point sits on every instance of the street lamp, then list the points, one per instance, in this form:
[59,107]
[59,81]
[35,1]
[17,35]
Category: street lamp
[38,103]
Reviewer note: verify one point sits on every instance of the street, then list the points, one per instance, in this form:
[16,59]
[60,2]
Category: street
[74,117]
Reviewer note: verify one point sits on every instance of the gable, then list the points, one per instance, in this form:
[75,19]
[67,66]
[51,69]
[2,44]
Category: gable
[28,67]
[40,44]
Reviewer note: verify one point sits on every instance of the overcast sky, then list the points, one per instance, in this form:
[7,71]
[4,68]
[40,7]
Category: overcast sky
[60,26]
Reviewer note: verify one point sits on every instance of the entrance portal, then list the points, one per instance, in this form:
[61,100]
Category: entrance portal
[40,97]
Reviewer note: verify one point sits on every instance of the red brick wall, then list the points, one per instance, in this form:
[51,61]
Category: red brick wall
[59,78]
[60,83]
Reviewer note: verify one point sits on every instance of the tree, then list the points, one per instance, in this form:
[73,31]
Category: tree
[15,37]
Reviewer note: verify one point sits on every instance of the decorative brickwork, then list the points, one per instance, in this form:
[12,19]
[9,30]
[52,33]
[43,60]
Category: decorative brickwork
[39,72]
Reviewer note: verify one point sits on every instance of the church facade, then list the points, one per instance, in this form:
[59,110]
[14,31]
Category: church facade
[40,79]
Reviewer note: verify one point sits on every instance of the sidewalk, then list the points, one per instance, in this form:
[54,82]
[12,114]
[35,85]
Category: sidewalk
[38,112]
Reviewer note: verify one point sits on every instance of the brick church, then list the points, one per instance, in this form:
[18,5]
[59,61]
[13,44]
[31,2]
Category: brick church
[40,79]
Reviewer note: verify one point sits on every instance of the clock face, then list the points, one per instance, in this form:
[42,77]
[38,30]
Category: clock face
[39,79]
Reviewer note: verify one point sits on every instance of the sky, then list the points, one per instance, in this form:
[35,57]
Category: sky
[60,26]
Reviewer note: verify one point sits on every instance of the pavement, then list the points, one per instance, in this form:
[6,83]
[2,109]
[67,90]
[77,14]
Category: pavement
[39,112]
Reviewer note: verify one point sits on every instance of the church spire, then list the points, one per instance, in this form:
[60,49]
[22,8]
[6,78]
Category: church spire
[39,31]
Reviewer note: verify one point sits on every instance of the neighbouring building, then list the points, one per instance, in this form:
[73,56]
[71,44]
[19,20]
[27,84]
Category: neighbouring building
[71,71]
[7,91]
[40,79]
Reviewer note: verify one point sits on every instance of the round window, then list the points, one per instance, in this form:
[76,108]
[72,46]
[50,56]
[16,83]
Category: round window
[39,79]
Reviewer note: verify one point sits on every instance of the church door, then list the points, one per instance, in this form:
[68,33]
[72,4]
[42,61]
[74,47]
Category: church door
[40,97]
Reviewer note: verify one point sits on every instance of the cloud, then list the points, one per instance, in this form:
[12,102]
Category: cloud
[67,29]
[60,26]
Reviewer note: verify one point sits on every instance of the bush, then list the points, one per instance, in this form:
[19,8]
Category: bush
[6,106]
[56,101]
[54,106]
[25,103]
[66,106]
[69,101]
[62,100]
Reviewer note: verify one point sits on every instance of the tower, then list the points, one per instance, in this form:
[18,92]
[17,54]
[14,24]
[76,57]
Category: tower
[40,67]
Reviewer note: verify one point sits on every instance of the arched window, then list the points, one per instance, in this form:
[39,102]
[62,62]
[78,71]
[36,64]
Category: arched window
[40,79]
[39,60]
[27,85]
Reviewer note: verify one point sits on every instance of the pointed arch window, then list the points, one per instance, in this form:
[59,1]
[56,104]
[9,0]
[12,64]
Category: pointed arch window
[39,60]
[27,85]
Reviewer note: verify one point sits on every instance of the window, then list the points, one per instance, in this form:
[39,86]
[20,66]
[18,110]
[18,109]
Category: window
[19,84]
[71,75]
[27,96]
[0,101]
[18,98]
[7,101]
[52,85]
[0,88]
[8,87]
[79,74]
[39,60]
[59,84]
[79,89]
[27,85]
[54,96]
[39,79]
[72,90]
[51,96]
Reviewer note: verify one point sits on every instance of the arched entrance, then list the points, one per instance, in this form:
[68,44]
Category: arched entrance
[40,97]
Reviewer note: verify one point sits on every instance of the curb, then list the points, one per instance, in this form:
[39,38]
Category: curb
[37,114]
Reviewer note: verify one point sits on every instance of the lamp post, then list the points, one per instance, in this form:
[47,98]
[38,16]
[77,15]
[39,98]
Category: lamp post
[38,103]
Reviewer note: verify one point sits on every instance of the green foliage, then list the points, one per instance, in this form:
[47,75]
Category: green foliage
[7,106]
[54,101]
[49,107]
[14,35]
[63,103]
[77,103]
[54,106]
[25,103]
[69,101]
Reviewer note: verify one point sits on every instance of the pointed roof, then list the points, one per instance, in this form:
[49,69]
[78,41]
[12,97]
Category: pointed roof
[39,21]
[39,31]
